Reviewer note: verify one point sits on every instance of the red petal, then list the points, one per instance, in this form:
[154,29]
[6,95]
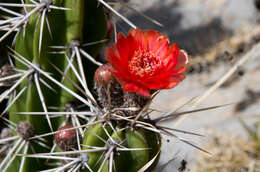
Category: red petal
[118,54]
[139,38]
[174,81]
[152,37]
[183,59]
[122,77]
[161,81]
[171,58]
[181,65]
[171,85]
[134,88]
[163,50]
[157,43]
[158,85]
[125,47]
[113,56]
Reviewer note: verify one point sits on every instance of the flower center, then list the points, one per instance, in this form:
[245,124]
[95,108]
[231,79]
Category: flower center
[144,63]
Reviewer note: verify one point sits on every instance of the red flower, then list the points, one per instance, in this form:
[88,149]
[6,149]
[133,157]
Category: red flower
[145,61]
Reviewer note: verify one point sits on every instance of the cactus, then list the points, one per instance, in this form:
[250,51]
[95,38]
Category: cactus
[61,119]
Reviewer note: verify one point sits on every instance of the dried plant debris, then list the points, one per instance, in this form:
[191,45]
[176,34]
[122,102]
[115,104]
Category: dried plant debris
[183,165]
[229,154]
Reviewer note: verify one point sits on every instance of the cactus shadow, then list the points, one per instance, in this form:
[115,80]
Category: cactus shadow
[196,40]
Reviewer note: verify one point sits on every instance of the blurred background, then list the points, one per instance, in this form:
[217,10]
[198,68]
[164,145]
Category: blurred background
[216,34]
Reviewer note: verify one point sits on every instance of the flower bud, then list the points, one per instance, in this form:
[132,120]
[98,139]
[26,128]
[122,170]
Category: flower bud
[108,89]
[104,76]
[66,139]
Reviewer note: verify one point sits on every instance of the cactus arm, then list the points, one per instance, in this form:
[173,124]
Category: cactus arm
[97,33]
[136,139]
[93,34]
[74,19]
[91,139]
[154,143]
[30,102]
[122,159]
[73,25]
[23,46]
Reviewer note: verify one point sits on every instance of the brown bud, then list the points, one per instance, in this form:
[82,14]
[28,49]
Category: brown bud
[66,139]
[25,130]
[104,76]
